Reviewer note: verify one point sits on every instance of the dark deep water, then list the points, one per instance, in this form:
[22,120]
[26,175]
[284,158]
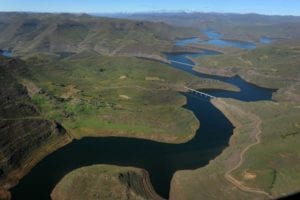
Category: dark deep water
[161,160]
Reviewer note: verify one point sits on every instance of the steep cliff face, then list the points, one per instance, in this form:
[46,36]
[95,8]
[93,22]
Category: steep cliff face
[14,100]
[23,132]
[19,138]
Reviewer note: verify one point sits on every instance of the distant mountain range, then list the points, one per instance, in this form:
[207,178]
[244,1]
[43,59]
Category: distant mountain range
[233,26]
[141,34]
[25,33]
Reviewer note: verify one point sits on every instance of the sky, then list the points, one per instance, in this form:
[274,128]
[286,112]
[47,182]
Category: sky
[269,7]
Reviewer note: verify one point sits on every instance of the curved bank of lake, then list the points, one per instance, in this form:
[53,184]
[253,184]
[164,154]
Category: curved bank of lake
[161,160]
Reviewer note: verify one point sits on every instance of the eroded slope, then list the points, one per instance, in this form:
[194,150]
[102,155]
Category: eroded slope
[25,136]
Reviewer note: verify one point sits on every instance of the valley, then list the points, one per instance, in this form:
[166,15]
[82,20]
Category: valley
[103,101]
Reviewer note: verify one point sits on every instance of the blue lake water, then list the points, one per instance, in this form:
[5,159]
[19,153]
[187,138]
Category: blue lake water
[160,159]
[248,91]
[265,40]
[215,39]
[6,53]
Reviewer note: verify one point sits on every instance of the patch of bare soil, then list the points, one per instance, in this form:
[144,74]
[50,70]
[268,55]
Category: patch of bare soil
[123,96]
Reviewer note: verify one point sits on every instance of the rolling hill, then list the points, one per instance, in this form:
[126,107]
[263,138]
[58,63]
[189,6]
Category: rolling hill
[27,33]
[248,27]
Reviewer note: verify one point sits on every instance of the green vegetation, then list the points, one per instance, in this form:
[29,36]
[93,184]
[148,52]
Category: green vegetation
[98,95]
[76,79]
[263,158]
[275,66]
[25,136]
[276,170]
[105,182]
[66,86]
[270,166]
[62,34]
[248,27]
[270,61]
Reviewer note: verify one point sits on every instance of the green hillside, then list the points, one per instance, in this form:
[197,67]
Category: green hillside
[46,101]
[248,27]
[268,135]
[25,33]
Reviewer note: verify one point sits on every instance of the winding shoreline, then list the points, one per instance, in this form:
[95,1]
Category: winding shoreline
[184,147]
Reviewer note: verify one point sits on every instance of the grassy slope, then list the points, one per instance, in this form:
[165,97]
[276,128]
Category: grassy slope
[276,170]
[272,166]
[78,92]
[105,182]
[90,96]
[275,66]
[84,93]
[96,96]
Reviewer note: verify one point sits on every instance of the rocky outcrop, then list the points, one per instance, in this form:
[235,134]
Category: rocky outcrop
[105,182]
[23,131]
[18,138]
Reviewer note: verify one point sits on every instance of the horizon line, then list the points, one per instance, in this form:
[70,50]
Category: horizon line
[150,12]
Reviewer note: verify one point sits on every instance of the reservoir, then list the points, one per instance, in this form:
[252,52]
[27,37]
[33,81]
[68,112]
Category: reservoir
[215,39]
[160,159]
